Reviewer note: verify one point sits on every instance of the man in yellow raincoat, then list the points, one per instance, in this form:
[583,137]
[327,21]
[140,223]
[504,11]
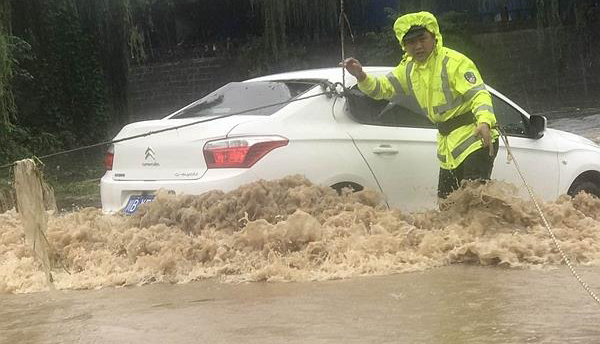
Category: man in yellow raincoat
[445,86]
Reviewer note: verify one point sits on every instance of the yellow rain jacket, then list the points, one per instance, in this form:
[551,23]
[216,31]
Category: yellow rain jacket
[442,87]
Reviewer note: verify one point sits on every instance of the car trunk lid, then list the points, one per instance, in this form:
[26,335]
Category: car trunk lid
[178,154]
[169,155]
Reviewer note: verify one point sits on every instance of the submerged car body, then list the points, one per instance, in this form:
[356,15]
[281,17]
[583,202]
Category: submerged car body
[335,141]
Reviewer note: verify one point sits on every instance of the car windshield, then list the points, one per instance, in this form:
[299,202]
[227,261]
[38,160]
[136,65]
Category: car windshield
[241,96]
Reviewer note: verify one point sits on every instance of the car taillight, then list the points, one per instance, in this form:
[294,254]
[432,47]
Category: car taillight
[109,157]
[240,152]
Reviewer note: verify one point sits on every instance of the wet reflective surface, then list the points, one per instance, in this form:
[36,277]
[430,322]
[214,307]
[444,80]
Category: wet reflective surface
[455,304]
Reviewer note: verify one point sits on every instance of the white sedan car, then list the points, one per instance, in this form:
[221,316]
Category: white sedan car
[336,141]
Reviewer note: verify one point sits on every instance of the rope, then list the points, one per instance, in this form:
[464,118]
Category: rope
[344,18]
[168,129]
[546,224]
[341,23]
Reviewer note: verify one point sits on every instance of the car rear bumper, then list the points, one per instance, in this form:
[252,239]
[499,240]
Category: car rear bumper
[114,194]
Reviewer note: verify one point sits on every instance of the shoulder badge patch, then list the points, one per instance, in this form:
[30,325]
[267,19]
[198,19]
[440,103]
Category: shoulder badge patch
[470,76]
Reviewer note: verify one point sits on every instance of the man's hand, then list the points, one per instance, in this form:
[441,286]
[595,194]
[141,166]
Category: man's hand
[483,131]
[354,67]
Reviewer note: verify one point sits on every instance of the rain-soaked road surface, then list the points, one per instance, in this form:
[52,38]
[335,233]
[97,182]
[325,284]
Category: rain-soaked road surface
[454,304]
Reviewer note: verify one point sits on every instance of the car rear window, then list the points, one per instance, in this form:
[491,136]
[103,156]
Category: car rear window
[241,96]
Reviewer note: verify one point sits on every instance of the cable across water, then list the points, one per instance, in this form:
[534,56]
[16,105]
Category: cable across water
[546,224]
[171,128]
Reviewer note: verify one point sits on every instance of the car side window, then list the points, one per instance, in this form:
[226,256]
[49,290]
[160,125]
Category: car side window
[510,119]
[367,110]
[403,117]
[363,108]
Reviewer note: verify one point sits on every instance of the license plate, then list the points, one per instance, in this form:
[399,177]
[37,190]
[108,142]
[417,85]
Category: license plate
[135,201]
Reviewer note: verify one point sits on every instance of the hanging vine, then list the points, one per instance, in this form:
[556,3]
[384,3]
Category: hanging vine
[7,104]
[108,22]
[296,19]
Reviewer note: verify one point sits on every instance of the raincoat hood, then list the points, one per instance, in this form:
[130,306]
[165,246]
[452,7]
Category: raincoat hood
[424,19]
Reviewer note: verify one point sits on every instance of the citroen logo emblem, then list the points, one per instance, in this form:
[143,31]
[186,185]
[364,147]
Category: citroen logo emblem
[150,154]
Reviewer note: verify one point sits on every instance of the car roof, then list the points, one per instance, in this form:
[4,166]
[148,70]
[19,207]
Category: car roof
[330,74]
[335,75]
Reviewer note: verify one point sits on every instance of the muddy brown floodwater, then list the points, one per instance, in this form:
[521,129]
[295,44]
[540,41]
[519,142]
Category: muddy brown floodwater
[452,304]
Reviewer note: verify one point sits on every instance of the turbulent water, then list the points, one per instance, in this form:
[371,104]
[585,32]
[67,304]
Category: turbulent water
[291,230]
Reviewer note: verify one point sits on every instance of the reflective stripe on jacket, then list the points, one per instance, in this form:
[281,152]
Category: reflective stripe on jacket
[444,86]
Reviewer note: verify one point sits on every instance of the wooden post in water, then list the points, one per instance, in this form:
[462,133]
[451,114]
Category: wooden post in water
[30,204]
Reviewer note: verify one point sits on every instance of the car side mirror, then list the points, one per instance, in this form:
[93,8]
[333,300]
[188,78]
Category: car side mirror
[537,126]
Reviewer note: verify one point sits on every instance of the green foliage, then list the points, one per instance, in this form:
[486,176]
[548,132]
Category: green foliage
[7,107]
[409,6]
[7,71]
[383,48]
[587,16]
[136,45]
[68,70]
[298,19]
[291,31]
[548,13]
[109,24]
[255,59]
[6,74]
[148,24]
[66,96]
[454,29]
[380,48]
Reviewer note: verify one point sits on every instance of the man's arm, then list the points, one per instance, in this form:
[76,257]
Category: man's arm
[470,86]
[354,67]
[377,88]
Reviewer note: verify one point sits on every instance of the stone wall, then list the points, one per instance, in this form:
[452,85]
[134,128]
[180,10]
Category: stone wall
[523,64]
[157,90]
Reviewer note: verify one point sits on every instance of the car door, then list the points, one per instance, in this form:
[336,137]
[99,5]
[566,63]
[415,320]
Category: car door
[399,147]
[537,158]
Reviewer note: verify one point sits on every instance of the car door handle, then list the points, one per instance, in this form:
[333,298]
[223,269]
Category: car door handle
[385,149]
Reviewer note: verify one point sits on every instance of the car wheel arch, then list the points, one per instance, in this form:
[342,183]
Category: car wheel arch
[588,181]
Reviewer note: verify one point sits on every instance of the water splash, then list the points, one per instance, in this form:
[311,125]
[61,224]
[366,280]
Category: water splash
[291,230]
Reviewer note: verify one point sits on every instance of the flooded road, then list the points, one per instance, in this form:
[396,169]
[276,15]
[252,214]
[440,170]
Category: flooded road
[455,304]
[584,122]
[288,261]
